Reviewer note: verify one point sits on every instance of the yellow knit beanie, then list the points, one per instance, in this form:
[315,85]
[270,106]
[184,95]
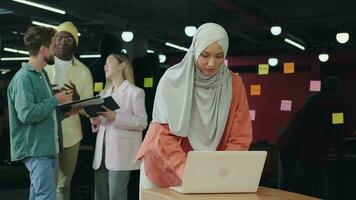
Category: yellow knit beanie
[70,28]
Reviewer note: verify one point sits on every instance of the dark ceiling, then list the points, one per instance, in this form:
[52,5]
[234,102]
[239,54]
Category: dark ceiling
[313,22]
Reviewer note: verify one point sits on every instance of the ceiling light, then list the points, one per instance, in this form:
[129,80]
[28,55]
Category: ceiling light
[162,58]
[15,50]
[4,71]
[276,30]
[10,50]
[123,51]
[37,5]
[294,43]
[323,57]
[342,38]
[150,51]
[272,61]
[43,24]
[5,12]
[14,58]
[90,56]
[190,30]
[127,36]
[176,46]
[47,25]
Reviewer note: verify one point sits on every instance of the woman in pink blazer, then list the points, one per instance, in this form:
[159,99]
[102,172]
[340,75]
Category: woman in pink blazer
[119,132]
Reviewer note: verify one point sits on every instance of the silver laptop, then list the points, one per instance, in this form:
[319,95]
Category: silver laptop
[222,172]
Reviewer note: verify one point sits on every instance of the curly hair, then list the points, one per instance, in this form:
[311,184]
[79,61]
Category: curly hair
[36,36]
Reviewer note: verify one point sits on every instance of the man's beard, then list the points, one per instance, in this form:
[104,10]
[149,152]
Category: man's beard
[50,60]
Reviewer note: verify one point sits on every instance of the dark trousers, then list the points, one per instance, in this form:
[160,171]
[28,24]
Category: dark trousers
[304,177]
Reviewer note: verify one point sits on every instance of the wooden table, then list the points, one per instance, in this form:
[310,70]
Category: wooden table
[263,193]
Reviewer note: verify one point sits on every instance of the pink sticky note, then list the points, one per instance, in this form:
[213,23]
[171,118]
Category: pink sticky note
[315,86]
[252,115]
[286,105]
[226,62]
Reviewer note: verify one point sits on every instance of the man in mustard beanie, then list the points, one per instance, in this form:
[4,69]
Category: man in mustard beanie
[69,73]
[70,28]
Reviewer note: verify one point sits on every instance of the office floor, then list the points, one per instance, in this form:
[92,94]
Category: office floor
[14,181]
[14,194]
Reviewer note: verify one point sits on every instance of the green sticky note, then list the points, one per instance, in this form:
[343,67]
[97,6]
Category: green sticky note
[148,82]
[263,69]
[98,86]
[338,118]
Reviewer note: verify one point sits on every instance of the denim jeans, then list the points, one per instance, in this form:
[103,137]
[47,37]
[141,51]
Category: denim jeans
[42,175]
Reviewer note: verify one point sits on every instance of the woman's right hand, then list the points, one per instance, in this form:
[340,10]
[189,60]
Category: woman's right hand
[94,121]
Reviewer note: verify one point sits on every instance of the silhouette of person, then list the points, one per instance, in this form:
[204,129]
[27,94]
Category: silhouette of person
[315,136]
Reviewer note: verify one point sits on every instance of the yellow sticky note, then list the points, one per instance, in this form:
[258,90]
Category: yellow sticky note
[148,82]
[288,68]
[255,90]
[337,118]
[263,69]
[98,86]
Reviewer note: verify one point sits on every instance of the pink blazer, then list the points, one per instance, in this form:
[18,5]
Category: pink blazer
[123,136]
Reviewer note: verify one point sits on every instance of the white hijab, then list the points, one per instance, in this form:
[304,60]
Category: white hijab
[192,104]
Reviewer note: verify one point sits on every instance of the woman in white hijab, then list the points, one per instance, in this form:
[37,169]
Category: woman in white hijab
[199,105]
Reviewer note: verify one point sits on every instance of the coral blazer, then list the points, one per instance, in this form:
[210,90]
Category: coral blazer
[123,136]
[165,154]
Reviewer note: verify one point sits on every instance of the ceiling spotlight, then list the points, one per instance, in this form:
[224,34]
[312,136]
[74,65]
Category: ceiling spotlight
[123,51]
[190,30]
[272,61]
[343,37]
[162,58]
[323,57]
[276,30]
[127,36]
